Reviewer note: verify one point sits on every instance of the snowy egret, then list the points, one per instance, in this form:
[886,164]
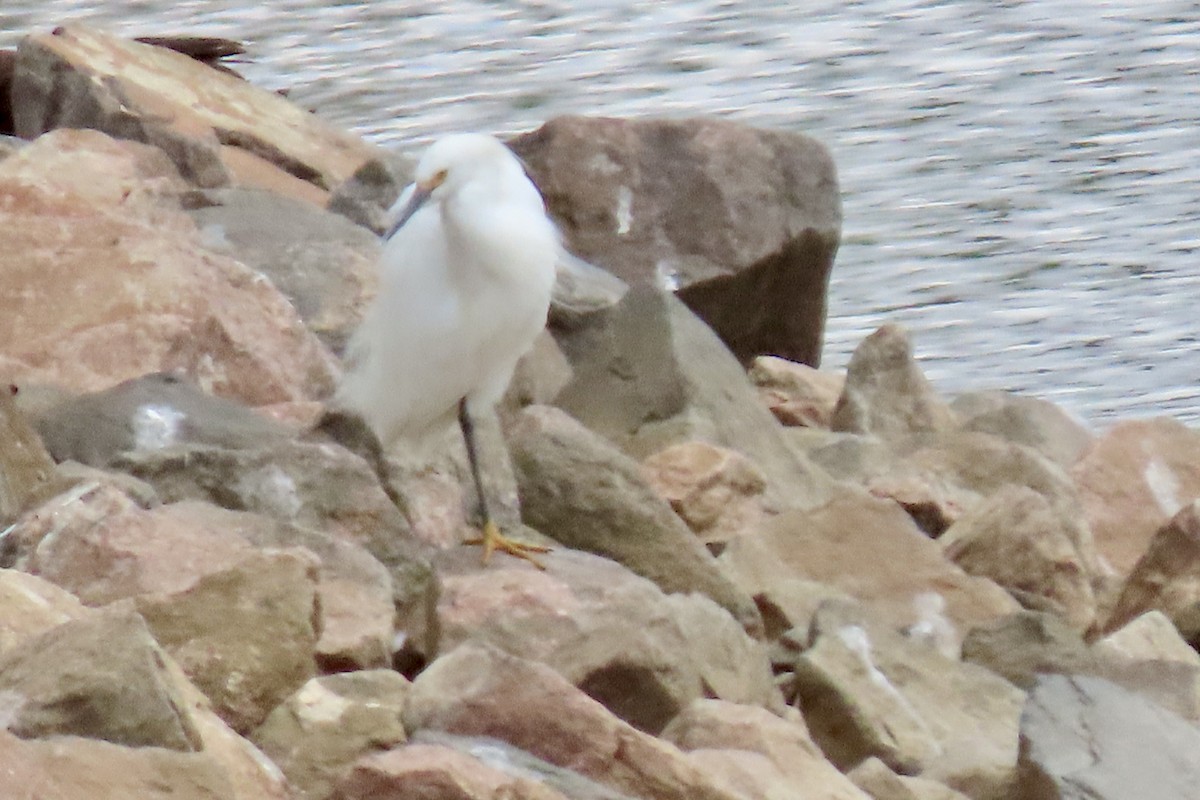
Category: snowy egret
[467,272]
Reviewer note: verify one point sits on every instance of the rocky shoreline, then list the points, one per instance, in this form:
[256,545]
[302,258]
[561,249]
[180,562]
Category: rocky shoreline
[768,580]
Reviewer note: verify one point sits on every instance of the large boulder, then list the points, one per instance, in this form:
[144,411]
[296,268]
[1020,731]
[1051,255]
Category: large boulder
[107,279]
[1030,421]
[216,128]
[742,223]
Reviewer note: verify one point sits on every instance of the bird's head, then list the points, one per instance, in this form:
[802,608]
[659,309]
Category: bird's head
[452,162]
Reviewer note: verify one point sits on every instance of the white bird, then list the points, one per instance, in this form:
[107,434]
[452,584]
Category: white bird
[467,274]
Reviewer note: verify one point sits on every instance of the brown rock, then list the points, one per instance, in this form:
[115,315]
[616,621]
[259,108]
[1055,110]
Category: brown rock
[617,637]
[218,129]
[744,223]
[870,549]
[1149,637]
[718,492]
[26,470]
[797,394]
[63,768]
[98,215]
[318,733]
[476,690]
[435,771]
[886,393]
[102,677]
[1019,540]
[583,492]
[30,606]
[1167,577]
[876,779]
[1022,645]
[712,729]
[865,691]
[246,635]
[1136,477]
[1028,421]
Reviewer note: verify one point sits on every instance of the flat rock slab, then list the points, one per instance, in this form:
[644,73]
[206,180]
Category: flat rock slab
[1085,738]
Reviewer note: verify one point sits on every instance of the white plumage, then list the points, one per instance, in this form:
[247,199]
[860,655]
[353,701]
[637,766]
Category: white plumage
[465,287]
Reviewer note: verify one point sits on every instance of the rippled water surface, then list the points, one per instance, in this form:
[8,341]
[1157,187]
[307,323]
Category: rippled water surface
[1021,180]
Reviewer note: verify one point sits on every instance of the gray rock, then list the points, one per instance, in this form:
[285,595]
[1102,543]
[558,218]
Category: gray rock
[1023,645]
[365,197]
[648,373]
[26,469]
[1085,738]
[886,393]
[1030,421]
[100,677]
[583,492]
[744,223]
[324,264]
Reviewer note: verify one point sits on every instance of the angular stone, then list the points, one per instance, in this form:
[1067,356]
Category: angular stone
[246,635]
[1167,577]
[85,211]
[886,393]
[871,550]
[70,767]
[743,223]
[30,606]
[709,728]
[797,394]
[865,691]
[101,677]
[216,128]
[581,491]
[1149,637]
[1021,646]
[324,264]
[1137,476]
[718,492]
[479,691]
[1019,540]
[643,654]
[875,778]
[648,374]
[320,731]
[1029,421]
[26,470]
[1077,741]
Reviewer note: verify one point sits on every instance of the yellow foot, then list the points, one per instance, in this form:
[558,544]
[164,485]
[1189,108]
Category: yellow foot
[492,540]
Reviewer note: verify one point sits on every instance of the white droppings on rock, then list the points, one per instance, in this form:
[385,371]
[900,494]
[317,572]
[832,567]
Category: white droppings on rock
[933,626]
[316,705]
[11,704]
[624,210]
[274,490]
[156,426]
[1164,485]
[666,276]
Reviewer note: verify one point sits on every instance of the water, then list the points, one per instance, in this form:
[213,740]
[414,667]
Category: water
[1021,180]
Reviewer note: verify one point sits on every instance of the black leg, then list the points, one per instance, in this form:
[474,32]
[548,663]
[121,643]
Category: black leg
[467,425]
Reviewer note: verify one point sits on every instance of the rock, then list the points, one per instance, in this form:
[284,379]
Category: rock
[716,491]
[435,771]
[216,128]
[479,691]
[1029,421]
[246,635]
[865,691]
[649,374]
[324,264]
[98,215]
[101,677]
[797,394]
[583,492]
[1076,742]
[876,779]
[1019,540]
[1136,477]
[1167,577]
[870,549]
[541,374]
[1149,637]
[317,734]
[26,470]
[366,196]
[886,393]
[30,606]
[742,223]
[617,637]
[67,767]
[712,729]
[1023,645]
